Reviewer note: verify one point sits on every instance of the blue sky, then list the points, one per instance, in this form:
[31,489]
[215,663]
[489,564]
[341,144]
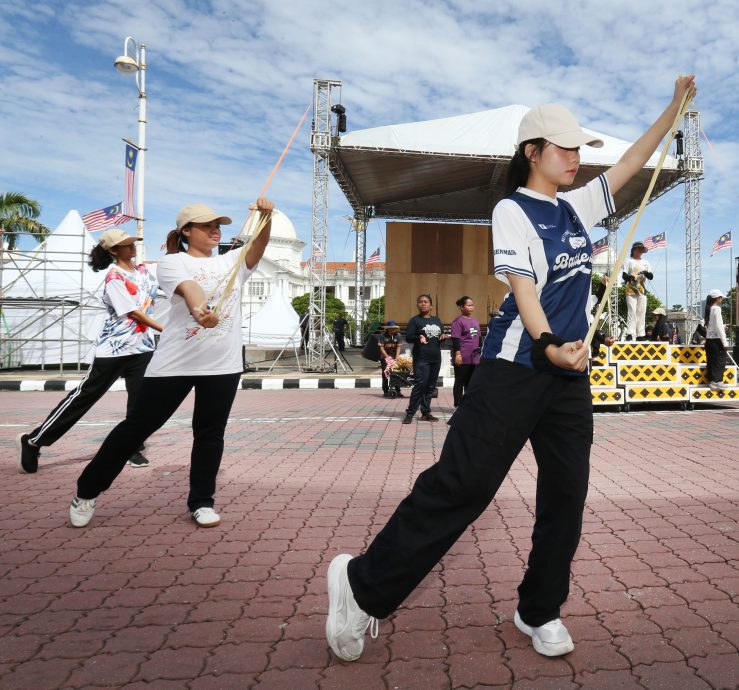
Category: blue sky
[228,80]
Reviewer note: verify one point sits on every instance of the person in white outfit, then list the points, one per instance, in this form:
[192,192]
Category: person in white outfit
[716,343]
[636,271]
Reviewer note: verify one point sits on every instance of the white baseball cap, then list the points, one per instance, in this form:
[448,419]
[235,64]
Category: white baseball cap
[199,213]
[713,294]
[556,124]
[660,310]
[114,238]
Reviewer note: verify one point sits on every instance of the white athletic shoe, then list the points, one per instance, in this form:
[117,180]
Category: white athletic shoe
[206,517]
[81,511]
[550,639]
[346,623]
[718,386]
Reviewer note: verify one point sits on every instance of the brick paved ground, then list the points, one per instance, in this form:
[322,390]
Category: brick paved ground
[142,598]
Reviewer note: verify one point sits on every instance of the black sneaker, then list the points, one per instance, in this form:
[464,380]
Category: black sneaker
[27,454]
[429,418]
[398,394]
[408,419]
[137,460]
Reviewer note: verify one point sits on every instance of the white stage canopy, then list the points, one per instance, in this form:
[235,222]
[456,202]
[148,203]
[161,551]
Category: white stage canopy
[453,169]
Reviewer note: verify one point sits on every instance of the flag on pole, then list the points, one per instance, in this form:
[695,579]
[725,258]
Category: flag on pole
[374,258]
[655,242]
[104,218]
[131,156]
[721,243]
[600,246]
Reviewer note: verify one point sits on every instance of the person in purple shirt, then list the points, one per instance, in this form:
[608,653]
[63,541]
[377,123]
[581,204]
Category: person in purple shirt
[466,345]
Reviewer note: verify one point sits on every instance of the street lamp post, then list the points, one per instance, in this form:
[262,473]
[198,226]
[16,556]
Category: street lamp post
[126,64]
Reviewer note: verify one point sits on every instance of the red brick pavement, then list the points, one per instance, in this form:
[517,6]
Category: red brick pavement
[144,599]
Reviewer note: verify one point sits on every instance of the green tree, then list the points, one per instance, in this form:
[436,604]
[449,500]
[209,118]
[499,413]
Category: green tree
[334,308]
[18,214]
[677,307]
[376,311]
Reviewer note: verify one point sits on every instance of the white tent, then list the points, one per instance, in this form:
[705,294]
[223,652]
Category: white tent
[274,326]
[51,308]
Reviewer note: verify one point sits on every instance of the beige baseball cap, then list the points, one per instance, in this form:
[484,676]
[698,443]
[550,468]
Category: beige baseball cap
[556,124]
[114,238]
[199,213]
[660,310]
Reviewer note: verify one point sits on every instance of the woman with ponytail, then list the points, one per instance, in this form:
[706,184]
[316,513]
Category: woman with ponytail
[124,346]
[531,385]
[466,345]
[716,342]
[200,349]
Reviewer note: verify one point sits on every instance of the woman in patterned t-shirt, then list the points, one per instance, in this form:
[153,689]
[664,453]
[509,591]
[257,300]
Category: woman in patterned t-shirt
[124,346]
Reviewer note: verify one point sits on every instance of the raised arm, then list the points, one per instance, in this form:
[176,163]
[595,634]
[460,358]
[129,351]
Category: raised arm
[640,151]
[264,207]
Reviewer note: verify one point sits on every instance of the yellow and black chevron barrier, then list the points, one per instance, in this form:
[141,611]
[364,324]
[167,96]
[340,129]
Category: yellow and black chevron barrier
[644,372]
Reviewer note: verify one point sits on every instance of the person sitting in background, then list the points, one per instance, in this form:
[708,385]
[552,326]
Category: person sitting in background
[661,330]
[389,344]
[699,334]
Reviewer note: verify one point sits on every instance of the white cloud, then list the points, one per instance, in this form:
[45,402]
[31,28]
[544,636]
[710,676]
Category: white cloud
[228,80]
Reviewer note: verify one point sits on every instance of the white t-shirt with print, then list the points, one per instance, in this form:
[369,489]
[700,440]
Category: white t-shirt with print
[186,348]
[126,291]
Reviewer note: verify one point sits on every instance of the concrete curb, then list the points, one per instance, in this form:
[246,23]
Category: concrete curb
[269,383]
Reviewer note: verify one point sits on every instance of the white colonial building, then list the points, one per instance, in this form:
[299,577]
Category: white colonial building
[282,269]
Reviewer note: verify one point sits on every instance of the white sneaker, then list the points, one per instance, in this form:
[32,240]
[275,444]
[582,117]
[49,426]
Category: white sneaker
[550,639]
[206,517]
[718,386]
[346,624]
[81,511]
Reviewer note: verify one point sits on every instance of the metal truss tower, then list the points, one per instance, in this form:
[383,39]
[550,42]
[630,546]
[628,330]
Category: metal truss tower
[359,225]
[693,162]
[321,140]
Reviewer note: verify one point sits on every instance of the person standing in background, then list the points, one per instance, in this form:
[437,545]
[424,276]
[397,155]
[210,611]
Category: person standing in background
[466,345]
[636,271]
[425,332]
[339,329]
[716,343]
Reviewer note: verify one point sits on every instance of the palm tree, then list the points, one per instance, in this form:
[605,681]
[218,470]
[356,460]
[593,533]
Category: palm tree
[18,215]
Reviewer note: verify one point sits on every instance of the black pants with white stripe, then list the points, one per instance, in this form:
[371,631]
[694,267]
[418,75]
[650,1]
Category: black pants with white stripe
[160,397]
[102,374]
[505,406]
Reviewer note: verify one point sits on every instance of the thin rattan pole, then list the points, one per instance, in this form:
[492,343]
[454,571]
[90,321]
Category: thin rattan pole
[260,225]
[616,270]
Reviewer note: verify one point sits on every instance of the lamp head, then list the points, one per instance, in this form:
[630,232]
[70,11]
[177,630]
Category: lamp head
[126,65]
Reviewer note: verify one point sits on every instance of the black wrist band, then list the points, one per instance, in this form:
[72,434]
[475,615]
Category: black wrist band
[538,357]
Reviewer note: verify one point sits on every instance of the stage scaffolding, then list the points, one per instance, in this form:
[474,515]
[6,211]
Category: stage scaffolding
[41,325]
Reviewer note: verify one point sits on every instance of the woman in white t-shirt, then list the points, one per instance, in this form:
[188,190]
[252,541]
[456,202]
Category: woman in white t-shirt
[199,350]
[124,346]
[716,342]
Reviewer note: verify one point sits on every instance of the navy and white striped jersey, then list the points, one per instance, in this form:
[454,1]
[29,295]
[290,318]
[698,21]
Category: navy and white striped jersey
[545,239]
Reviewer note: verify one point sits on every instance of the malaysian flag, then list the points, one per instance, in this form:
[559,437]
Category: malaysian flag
[721,243]
[600,246]
[131,156]
[374,257]
[655,242]
[104,218]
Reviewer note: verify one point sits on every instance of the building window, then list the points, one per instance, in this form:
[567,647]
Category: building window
[353,292]
[256,288]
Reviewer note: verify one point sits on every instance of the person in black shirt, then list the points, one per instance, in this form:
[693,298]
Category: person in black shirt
[389,344]
[661,330]
[339,328]
[425,333]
